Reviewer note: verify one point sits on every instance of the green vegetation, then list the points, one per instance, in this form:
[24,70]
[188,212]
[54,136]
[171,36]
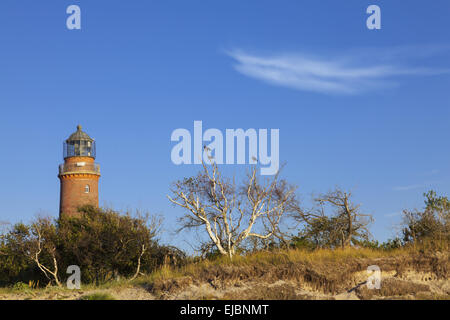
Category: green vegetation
[103,243]
[117,251]
[431,223]
[329,271]
[98,296]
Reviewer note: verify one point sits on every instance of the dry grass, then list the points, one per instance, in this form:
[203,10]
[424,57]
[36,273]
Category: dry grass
[263,292]
[284,274]
[276,258]
[393,287]
[327,271]
[97,296]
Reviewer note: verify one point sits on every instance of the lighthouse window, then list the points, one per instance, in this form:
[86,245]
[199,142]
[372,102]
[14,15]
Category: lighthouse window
[87,189]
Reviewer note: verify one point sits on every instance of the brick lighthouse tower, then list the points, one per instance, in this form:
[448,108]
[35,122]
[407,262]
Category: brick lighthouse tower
[79,174]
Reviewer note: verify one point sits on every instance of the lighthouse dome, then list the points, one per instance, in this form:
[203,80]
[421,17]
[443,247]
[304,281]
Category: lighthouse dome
[79,144]
[79,135]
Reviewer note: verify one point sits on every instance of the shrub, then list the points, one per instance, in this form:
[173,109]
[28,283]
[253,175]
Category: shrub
[103,243]
[432,223]
[21,286]
[98,296]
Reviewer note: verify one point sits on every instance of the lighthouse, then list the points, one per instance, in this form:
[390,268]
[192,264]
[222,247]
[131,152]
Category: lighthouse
[79,174]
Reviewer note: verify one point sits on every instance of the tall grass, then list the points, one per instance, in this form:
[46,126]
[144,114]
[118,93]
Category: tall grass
[261,258]
[274,258]
[98,296]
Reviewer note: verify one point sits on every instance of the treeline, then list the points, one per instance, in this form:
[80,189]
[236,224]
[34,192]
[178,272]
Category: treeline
[103,243]
[268,213]
[430,226]
[229,218]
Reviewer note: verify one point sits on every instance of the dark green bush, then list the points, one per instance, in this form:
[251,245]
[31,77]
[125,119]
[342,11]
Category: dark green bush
[103,243]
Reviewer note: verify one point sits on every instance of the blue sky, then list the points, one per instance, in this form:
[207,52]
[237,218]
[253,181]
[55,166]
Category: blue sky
[364,109]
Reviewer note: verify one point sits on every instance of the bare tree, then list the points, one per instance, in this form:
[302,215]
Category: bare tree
[3,226]
[3,231]
[344,226]
[142,237]
[42,248]
[138,268]
[349,223]
[228,213]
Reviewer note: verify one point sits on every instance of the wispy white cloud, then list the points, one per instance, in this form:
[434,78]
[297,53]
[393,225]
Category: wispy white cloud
[349,74]
[393,214]
[432,172]
[410,187]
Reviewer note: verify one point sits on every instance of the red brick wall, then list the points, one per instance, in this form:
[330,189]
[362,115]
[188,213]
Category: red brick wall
[73,186]
[79,159]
